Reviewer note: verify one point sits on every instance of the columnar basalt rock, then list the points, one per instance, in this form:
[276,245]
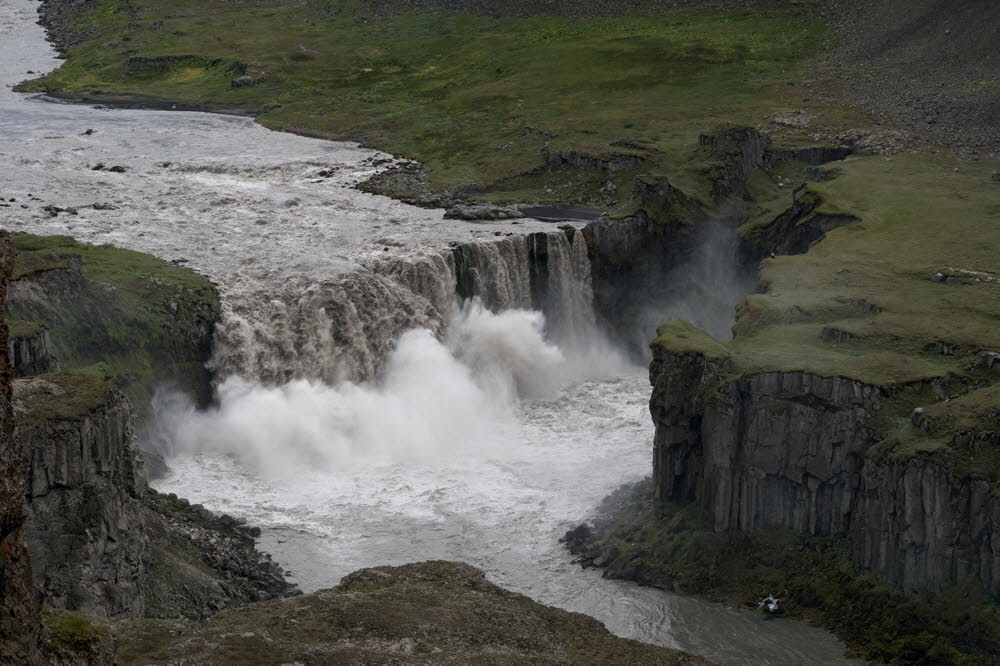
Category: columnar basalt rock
[20,624]
[30,354]
[83,498]
[101,542]
[918,525]
[794,450]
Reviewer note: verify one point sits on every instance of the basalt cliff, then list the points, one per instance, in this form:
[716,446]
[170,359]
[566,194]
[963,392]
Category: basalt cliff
[801,451]
[100,540]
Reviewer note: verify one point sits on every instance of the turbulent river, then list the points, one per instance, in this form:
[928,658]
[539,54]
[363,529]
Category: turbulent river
[364,415]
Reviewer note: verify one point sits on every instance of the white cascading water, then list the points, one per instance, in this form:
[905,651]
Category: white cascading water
[365,417]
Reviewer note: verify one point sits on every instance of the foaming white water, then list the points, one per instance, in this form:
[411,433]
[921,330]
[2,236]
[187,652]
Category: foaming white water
[500,505]
[435,399]
[249,208]
[507,352]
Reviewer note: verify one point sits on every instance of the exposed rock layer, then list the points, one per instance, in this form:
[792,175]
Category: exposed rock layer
[101,541]
[83,500]
[30,354]
[792,449]
[20,625]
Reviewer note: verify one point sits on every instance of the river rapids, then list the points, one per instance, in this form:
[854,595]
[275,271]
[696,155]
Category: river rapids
[366,415]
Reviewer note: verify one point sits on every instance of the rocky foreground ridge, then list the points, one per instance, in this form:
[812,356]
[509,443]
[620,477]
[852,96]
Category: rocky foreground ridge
[430,612]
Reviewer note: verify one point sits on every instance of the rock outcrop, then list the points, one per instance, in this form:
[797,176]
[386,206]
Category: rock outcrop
[793,231]
[917,524]
[83,495]
[101,541]
[74,306]
[30,352]
[794,450]
[431,612]
[20,622]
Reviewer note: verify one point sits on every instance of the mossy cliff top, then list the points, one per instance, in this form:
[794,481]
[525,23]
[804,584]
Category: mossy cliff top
[59,396]
[901,292]
[683,337]
[115,313]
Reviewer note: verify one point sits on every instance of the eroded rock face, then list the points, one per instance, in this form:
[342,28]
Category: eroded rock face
[20,624]
[773,448]
[791,449]
[919,526]
[83,503]
[31,354]
[101,541]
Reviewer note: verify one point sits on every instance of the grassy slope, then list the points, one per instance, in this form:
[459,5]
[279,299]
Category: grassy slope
[133,321]
[456,91]
[919,213]
[872,280]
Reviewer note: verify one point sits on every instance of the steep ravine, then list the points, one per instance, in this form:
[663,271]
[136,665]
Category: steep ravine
[318,282]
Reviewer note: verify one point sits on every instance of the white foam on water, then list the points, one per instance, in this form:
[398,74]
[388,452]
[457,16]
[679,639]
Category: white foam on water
[480,444]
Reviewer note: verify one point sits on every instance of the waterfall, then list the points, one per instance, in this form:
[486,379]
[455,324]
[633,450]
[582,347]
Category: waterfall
[569,303]
[336,330]
[344,329]
[496,272]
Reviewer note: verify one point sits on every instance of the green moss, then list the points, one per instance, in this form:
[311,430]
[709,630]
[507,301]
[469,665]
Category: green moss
[684,337]
[136,317]
[963,432]
[33,262]
[68,633]
[873,278]
[813,576]
[65,396]
[476,98]
[24,329]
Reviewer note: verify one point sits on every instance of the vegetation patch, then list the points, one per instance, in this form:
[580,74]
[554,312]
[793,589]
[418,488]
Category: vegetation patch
[62,396]
[684,337]
[673,546]
[114,313]
[480,100]
[73,638]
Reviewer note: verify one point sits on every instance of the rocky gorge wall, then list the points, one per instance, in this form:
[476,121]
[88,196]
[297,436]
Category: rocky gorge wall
[917,524]
[83,497]
[101,541]
[792,449]
[20,623]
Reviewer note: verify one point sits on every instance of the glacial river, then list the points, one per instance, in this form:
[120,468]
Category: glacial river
[439,458]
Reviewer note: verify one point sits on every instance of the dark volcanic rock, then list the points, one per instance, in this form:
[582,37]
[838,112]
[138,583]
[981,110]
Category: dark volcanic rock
[486,211]
[20,625]
[792,450]
[103,543]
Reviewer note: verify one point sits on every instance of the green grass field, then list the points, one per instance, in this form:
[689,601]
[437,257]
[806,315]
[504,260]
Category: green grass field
[476,99]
